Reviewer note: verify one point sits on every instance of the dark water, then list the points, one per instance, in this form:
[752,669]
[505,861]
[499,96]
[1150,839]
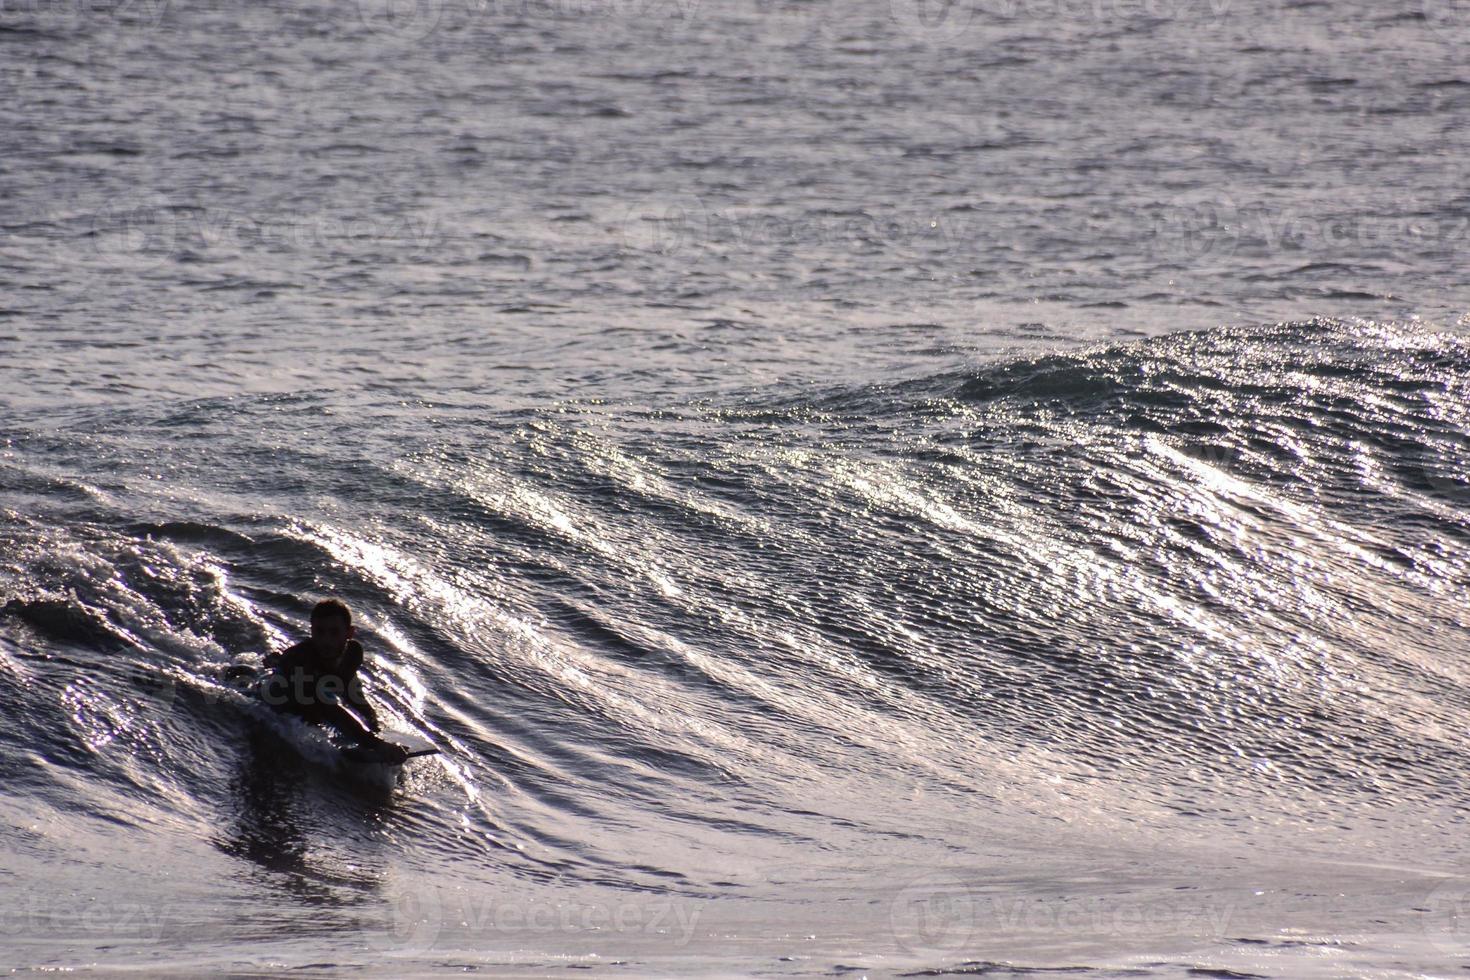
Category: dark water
[828,478]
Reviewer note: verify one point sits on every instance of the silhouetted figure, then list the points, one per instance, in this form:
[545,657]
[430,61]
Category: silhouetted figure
[317,680]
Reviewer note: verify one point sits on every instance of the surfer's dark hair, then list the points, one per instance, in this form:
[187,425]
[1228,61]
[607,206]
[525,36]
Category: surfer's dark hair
[331,607]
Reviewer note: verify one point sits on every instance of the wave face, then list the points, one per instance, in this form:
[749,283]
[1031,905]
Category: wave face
[757,440]
[1207,586]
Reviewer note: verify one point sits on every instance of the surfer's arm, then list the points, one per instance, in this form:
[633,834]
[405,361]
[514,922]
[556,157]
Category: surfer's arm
[356,697]
[360,705]
[283,660]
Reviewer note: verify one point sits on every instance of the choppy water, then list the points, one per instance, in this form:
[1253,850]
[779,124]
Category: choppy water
[868,489]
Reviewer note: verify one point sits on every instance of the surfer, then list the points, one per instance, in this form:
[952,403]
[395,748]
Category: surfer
[317,680]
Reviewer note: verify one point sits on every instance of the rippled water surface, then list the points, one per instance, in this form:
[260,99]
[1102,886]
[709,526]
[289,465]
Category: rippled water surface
[867,489]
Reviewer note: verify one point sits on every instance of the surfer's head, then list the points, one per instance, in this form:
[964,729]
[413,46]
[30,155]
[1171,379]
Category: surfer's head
[331,626]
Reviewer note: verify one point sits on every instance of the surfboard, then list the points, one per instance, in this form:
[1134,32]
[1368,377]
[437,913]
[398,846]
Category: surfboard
[415,745]
[244,676]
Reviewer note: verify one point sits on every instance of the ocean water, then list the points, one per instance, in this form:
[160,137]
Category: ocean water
[866,489]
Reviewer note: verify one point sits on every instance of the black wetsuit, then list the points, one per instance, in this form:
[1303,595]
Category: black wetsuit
[303,683]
